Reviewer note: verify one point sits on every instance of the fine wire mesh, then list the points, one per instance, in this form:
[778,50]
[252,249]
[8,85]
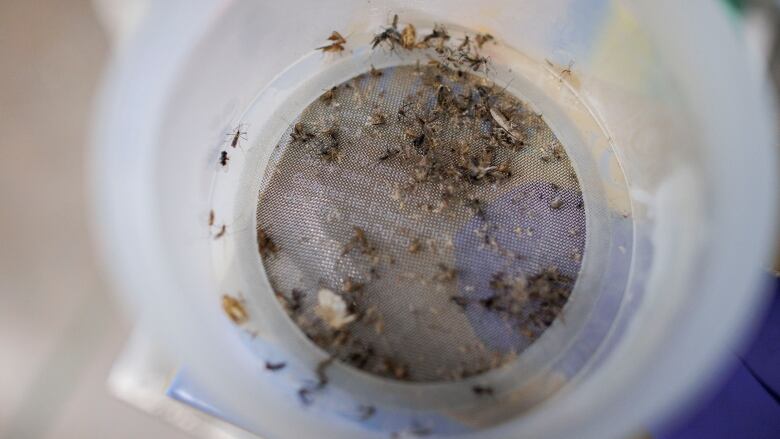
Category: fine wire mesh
[439,290]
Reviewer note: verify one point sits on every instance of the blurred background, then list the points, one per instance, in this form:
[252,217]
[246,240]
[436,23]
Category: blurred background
[60,331]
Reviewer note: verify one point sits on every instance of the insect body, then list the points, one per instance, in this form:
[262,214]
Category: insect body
[237,135]
[234,309]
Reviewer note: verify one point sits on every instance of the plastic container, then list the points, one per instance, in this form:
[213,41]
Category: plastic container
[669,131]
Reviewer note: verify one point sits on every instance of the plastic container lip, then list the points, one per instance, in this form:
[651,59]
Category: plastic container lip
[127,121]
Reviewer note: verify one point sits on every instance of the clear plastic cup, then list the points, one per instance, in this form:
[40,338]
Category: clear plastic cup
[669,130]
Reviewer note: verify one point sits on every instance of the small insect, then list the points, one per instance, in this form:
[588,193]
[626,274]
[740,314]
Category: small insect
[328,144]
[337,44]
[414,246]
[389,153]
[328,96]
[234,308]
[446,273]
[476,206]
[322,367]
[506,126]
[223,158]
[350,286]
[374,72]
[482,390]
[300,133]
[461,301]
[221,232]
[265,244]
[439,33]
[465,45]
[211,217]
[567,71]
[476,62]
[358,241]
[377,118]
[294,305]
[273,367]
[237,135]
[482,39]
[402,112]
[304,395]
[389,35]
[409,37]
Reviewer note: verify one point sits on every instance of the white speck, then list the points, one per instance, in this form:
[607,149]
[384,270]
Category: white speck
[332,309]
[622,249]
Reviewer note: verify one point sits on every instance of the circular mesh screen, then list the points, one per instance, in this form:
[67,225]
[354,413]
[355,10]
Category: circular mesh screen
[421,224]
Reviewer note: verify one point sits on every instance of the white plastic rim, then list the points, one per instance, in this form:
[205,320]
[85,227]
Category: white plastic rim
[666,367]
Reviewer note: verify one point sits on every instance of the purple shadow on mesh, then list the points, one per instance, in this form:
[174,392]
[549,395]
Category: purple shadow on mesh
[538,236]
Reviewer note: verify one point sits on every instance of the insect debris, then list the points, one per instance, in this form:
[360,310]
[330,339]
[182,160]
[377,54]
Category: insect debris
[237,135]
[482,390]
[234,309]
[365,412]
[300,133]
[337,44]
[211,217]
[389,153]
[482,39]
[389,35]
[305,393]
[328,96]
[409,37]
[265,244]
[273,367]
[377,118]
[221,232]
[349,285]
[223,158]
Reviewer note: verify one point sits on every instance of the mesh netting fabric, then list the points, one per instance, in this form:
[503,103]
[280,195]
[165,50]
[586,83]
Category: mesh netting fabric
[439,209]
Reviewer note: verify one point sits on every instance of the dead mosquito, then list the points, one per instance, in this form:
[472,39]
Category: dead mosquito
[476,62]
[221,232]
[389,153]
[237,135]
[439,33]
[482,39]
[337,44]
[328,143]
[390,35]
[465,45]
[300,133]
